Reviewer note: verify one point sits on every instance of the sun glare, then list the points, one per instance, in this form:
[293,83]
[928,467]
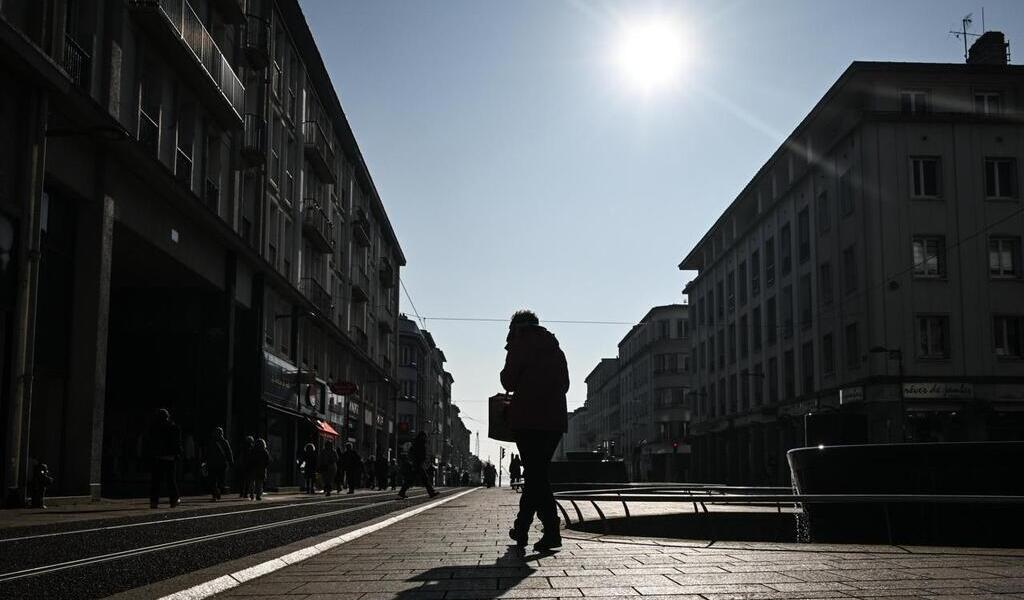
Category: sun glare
[652,54]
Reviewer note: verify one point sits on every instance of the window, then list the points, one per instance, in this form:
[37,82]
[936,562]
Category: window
[803,235]
[849,270]
[789,374]
[744,390]
[825,283]
[758,384]
[769,262]
[721,348]
[700,310]
[711,307]
[787,312]
[720,306]
[846,203]
[744,337]
[824,213]
[275,152]
[702,355]
[730,291]
[828,356]
[805,302]
[807,368]
[732,343]
[680,328]
[1000,178]
[914,102]
[1004,256]
[773,380]
[786,249]
[1006,336]
[933,337]
[756,327]
[741,282]
[987,103]
[924,177]
[732,394]
[711,353]
[663,325]
[929,256]
[852,347]
[770,320]
[755,274]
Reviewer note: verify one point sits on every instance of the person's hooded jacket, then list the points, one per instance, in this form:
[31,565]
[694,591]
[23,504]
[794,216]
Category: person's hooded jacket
[538,376]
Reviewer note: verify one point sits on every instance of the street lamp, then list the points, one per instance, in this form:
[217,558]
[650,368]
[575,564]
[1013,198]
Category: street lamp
[897,354]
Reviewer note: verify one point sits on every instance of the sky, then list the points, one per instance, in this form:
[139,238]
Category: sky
[522,166]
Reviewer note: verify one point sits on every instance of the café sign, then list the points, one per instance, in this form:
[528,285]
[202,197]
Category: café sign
[931,391]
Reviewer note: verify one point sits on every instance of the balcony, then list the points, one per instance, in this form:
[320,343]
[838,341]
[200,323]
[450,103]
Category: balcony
[76,63]
[254,139]
[318,228]
[361,228]
[316,294]
[362,340]
[385,325]
[360,285]
[190,48]
[256,41]
[318,151]
[387,272]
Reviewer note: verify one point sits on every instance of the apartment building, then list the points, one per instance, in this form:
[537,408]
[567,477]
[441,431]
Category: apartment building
[865,286]
[636,406]
[186,221]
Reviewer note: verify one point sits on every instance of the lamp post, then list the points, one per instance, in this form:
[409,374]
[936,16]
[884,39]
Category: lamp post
[898,355]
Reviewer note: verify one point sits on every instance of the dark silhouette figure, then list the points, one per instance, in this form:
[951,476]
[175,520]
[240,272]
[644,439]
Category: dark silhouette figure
[382,472]
[352,464]
[339,479]
[309,459]
[537,375]
[515,470]
[163,448]
[218,459]
[393,474]
[417,460]
[41,480]
[328,466]
[257,463]
[243,479]
[490,475]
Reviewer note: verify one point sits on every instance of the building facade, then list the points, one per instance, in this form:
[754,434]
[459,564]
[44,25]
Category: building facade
[865,286]
[192,226]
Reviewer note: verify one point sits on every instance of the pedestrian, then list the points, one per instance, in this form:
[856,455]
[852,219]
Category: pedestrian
[218,459]
[257,463]
[465,478]
[339,479]
[327,465]
[393,473]
[41,479]
[515,471]
[353,467]
[537,375]
[243,479]
[309,458]
[163,449]
[417,458]
[369,472]
[490,475]
[382,472]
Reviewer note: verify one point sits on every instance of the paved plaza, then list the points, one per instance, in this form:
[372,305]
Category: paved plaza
[459,550]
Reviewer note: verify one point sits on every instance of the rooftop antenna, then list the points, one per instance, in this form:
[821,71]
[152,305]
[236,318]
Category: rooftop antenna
[963,34]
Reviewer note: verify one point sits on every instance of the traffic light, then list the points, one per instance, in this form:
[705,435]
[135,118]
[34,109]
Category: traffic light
[675,447]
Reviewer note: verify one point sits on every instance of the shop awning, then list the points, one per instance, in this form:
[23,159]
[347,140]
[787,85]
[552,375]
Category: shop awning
[325,428]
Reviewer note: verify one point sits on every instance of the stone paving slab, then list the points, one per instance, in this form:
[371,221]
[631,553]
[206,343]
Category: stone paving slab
[461,551]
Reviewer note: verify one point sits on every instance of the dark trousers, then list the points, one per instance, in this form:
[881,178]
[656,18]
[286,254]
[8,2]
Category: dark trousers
[536,449]
[218,476]
[352,478]
[163,470]
[309,483]
[418,471]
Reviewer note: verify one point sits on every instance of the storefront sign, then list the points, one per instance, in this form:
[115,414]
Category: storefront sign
[923,391]
[344,388]
[276,387]
[851,394]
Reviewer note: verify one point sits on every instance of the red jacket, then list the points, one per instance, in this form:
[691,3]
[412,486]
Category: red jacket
[537,374]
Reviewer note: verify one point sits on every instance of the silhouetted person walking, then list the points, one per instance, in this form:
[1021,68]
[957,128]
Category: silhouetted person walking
[515,470]
[309,458]
[163,449]
[537,375]
[257,463]
[353,467]
[243,479]
[328,467]
[417,458]
[218,459]
[382,472]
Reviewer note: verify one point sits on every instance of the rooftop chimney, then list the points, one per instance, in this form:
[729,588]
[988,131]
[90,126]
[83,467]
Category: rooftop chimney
[989,49]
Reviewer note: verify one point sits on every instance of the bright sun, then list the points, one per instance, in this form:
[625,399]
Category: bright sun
[651,54]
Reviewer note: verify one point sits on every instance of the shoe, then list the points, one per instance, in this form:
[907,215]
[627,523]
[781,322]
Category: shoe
[519,537]
[434,493]
[548,542]
[175,503]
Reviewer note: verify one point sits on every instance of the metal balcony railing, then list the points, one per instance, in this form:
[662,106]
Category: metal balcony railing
[189,28]
[362,340]
[318,150]
[254,139]
[317,226]
[256,41]
[361,228]
[387,272]
[76,62]
[360,285]
[320,297]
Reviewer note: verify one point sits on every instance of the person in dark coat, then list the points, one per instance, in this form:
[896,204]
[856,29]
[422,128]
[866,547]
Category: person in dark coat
[537,375]
[218,458]
[243,479]
[393,474]
[339,479]
[309,458]
[257,463]
[417,460]
[353,467]
[515,470]
[327,464]
[382,472]
[163,449]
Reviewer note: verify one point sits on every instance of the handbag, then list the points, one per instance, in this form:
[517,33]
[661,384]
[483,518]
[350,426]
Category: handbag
[497,418]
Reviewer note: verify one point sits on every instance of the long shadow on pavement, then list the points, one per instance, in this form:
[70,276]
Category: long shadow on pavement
[478,582]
